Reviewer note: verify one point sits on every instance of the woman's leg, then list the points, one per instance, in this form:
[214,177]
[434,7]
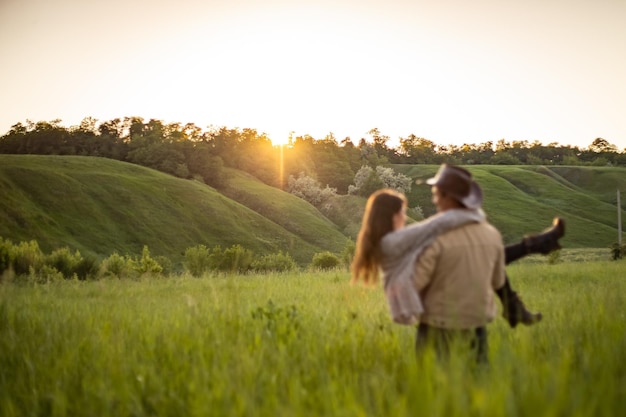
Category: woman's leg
[513,309]
[544,242]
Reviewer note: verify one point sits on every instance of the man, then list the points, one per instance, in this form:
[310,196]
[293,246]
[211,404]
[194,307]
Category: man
[457,274]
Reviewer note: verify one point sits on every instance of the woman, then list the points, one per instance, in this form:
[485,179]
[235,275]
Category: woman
[384,243]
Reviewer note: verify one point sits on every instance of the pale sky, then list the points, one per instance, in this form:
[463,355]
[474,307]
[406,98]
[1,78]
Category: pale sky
[451,71]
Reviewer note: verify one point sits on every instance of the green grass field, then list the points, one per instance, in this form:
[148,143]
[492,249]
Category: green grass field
[302,344]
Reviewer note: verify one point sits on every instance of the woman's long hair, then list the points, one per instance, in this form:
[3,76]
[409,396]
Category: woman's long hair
[377,222]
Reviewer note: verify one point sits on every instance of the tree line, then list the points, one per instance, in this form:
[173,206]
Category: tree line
[188,151]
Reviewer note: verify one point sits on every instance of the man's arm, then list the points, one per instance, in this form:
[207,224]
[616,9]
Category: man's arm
[425,266]
[499,273]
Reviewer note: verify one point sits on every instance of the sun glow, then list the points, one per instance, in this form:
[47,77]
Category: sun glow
[279,137]
[281,169]
[453,72]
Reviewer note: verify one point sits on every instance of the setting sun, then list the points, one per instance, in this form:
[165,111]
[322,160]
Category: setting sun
[279,138]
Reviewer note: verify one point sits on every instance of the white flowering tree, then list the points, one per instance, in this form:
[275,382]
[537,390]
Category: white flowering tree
[309,189]
[367,180]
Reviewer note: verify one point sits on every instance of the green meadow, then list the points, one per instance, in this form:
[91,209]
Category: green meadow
[302,344]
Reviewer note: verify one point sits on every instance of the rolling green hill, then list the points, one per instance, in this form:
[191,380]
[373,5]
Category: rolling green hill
[286,210]
[100,206]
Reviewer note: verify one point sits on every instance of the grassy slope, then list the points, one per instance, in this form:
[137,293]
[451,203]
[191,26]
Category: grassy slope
[99,206]
[286,210]
[523,199]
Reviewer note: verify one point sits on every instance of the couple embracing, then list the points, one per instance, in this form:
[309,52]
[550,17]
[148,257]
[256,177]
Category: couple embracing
[442,273]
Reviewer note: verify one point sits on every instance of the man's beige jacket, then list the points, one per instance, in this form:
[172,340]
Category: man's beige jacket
[457,274]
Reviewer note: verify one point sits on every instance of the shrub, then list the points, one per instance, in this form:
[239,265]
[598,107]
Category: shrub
[197,260]
[166,264]
[618,251]
[215,257]
[367,180]
[236,259]
[325,260]
[86,268]
[348,253]
[395,180]
[27,257]
[6,254]
[46,274]
[27,260]
[309,189]
[64,261]
[147,264]
[118,266]
[275,262]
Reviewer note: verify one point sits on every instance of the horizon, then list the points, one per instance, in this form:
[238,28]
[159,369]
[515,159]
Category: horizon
[392,143]
[450,72]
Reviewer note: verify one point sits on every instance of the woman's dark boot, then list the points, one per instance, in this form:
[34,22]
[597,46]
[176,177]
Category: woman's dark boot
[513,309]
[548,240]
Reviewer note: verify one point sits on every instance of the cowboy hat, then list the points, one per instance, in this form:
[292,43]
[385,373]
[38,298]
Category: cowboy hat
[457,182]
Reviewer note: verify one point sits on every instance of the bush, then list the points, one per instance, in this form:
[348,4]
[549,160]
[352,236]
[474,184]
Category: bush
[235,259]
[147,265]
[86,268]
[618,251]
[197,260]
[395,180]
[118,266]
[6,254]
[166,265]
[27,258]
[64,261]
[126,267]
[347,254]
[309,189]
[325,260]
[45,275]
[367,180]
[275,262]
[215,257]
